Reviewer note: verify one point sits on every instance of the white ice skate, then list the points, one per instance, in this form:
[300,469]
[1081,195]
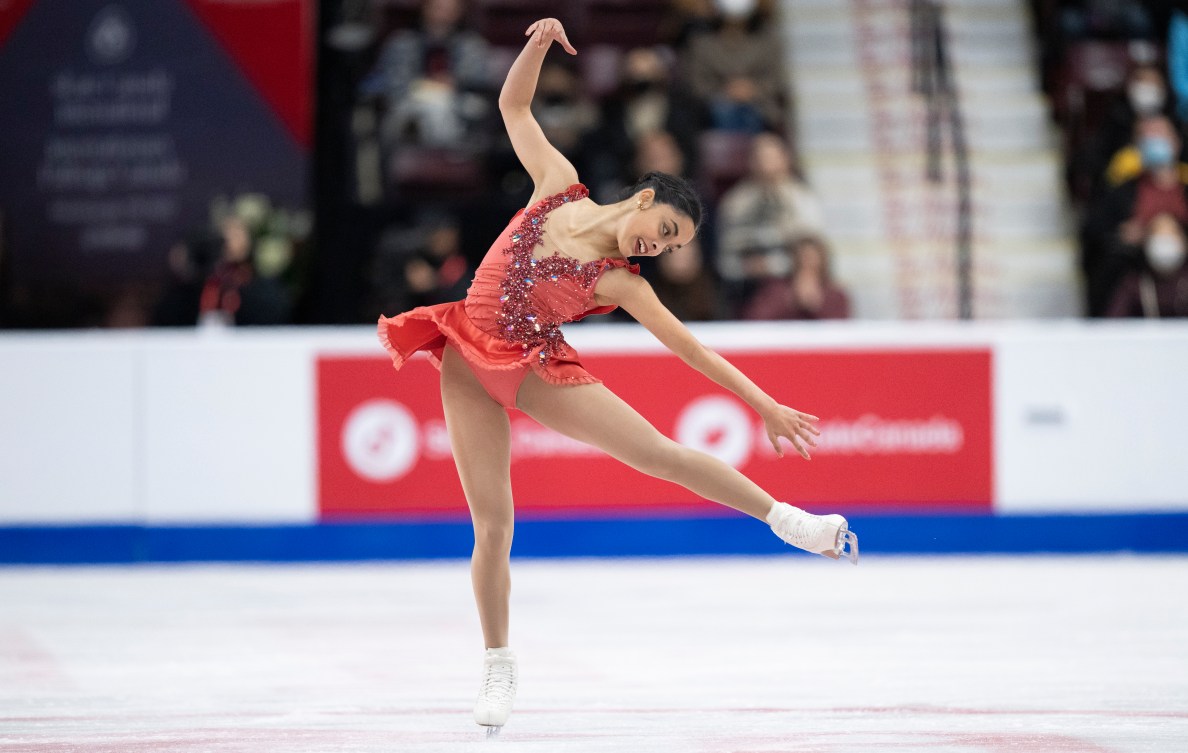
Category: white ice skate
[829,535]
[498,691]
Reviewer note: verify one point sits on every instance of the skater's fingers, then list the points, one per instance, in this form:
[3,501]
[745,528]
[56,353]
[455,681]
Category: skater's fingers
[775,443]
[808,416]
[800,448]
[565,42]
[531,29]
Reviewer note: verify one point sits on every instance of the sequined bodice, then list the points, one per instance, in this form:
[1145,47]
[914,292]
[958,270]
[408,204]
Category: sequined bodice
[524,300]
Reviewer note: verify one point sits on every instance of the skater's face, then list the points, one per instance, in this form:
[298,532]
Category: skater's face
[654,227]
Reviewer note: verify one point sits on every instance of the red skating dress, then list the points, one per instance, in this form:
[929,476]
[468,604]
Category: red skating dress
[510,321]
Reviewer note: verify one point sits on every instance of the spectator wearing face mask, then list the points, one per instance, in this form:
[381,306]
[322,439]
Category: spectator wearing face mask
[1159,287]
[1110,156]
[734,69]
[1146,96]
[432,80]
[1115,220]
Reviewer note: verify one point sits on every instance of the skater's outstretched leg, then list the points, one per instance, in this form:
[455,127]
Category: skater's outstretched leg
[480,438]
[593,414]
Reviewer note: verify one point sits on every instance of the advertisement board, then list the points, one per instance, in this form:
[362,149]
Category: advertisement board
[901,429]
[128,118]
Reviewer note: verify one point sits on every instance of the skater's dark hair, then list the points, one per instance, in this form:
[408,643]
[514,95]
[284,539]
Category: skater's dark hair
[672,190]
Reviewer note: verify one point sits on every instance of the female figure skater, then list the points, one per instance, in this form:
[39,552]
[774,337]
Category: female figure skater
[560,259]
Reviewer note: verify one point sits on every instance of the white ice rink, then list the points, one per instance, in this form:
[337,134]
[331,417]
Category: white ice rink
[788,655]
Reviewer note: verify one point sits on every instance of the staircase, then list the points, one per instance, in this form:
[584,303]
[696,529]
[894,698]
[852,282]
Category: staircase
[861,136]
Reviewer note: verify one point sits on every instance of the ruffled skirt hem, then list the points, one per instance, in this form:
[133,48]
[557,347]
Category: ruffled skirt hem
[430,328]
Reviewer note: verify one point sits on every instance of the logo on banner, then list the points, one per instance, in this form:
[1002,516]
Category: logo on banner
[380,440]
[717,426]
[111,38]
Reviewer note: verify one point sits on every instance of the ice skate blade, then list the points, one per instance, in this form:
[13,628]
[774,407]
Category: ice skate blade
[847,545]
[492,731]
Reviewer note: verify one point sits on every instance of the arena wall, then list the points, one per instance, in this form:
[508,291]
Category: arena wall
[206,444]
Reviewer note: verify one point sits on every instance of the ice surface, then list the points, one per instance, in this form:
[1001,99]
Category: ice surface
[751,655]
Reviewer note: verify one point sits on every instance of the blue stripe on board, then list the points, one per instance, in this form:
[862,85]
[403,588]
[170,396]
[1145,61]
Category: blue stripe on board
[948,534]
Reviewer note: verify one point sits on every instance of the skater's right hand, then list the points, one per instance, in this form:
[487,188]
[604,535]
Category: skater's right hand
[548,30]
[794,426]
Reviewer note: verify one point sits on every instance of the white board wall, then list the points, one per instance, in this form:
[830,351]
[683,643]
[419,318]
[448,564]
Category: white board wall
[219,427]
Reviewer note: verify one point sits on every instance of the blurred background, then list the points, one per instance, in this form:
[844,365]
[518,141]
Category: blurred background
[192,190]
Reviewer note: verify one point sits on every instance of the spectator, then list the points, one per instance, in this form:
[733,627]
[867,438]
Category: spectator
[808,293]
[763,214]
[687,19]
[234,293]
[190,262]
[1177,59]
[686,287]
[646,101]
[1111,153]
[564,112]
[658,151]
[735,70]
[1159,287]
[1116,218]
[432,80]
[1105,19]
[421,267]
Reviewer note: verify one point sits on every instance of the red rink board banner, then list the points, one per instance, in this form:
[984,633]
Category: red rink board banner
[900,429]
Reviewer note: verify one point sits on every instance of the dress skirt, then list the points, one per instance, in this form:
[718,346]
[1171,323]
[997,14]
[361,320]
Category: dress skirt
[499,365]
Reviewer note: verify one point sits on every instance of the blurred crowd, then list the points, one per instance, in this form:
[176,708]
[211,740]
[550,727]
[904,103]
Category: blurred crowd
[415,176]
[690,87]
[1117,72]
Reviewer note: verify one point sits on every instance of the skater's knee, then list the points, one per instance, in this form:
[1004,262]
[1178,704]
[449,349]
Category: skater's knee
[663,459]
[493,535]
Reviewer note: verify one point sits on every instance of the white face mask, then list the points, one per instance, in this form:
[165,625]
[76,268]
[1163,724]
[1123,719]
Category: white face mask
[1145,97]
[1165,253]
[736,8]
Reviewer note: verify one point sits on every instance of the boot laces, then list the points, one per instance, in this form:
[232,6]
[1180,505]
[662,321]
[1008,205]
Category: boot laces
[499,683]
[803,530]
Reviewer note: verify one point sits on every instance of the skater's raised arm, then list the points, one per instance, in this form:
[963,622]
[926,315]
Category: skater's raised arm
[549,169]
[635,296]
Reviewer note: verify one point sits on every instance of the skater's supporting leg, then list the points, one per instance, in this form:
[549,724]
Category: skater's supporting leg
[593,414]
[480,438]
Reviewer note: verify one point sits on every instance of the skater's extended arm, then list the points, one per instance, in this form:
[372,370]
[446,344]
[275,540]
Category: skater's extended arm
[635,296]
[549,169]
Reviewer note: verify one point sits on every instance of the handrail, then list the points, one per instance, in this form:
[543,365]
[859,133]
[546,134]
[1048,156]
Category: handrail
[934,79]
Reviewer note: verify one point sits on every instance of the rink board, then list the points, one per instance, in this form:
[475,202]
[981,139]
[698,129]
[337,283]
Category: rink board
[270,444]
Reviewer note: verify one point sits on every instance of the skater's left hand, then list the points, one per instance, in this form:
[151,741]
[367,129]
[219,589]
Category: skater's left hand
[548,30]
[794,426]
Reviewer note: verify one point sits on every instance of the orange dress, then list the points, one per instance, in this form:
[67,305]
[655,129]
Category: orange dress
[510,321]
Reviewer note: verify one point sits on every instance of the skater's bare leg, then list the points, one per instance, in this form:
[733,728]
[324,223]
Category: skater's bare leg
[480,438]
[593,414]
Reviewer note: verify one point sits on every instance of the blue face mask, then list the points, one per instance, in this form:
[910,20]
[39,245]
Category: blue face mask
[1156,152]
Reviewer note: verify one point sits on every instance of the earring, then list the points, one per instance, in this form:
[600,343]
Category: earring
[639,204]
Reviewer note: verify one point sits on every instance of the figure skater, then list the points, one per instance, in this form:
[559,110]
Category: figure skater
[560,259]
